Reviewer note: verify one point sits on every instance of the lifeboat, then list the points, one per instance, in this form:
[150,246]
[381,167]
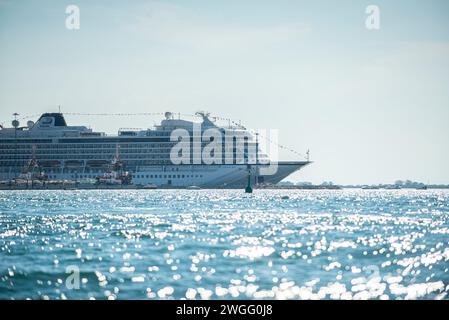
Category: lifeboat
[74,163]
[50,163]
[97,163]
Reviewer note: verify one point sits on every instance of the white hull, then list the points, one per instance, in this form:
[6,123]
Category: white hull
[181,176]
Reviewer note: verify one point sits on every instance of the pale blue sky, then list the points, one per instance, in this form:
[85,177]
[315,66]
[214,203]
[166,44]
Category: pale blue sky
[372,106]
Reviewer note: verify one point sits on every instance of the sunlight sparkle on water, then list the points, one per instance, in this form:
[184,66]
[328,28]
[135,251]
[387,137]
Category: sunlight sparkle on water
[224,244]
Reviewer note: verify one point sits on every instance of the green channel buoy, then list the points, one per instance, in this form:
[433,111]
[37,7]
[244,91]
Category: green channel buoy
[248,188]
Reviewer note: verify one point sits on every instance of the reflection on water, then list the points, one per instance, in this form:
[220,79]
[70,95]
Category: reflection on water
[224,244]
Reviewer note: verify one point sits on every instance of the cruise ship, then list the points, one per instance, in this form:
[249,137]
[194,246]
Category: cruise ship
[66,152]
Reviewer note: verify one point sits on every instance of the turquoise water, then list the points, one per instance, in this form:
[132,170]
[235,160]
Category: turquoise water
[223,244]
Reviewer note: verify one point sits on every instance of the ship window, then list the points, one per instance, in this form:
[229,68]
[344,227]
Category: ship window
[148,176]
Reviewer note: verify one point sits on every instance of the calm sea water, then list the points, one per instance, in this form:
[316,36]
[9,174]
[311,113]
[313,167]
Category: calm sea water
[223,244]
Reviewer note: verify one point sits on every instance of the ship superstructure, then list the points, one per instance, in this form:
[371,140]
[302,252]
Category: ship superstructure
[67,152]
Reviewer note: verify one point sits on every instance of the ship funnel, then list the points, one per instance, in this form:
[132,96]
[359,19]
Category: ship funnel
[48,120]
